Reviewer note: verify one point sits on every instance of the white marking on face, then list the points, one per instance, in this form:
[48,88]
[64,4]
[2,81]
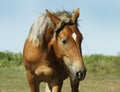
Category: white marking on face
[74,36]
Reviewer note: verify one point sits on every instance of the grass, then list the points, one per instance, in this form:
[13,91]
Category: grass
[14,80]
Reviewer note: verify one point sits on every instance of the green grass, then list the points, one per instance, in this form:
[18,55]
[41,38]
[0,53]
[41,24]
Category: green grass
[14,80]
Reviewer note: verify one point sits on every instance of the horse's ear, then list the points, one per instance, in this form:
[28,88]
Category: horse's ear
[75,15]
[53,18]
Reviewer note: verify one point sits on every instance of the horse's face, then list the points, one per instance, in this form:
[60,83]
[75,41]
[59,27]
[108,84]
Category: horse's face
[67,46]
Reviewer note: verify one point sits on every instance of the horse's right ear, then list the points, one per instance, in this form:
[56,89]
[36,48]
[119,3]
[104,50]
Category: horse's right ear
[75,15]
[53,18]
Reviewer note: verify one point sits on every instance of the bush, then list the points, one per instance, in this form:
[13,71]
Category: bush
[102,64]
[96,63]
[9,59]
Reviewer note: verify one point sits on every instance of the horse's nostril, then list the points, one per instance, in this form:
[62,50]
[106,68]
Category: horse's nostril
[78,75]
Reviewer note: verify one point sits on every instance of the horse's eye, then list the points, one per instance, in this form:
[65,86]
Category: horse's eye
[64,41]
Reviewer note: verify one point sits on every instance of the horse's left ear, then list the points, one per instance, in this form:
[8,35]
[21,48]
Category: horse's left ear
[75,15]
[53,18]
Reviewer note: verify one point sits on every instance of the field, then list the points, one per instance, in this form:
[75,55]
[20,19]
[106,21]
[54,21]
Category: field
[103,74]
[14,80]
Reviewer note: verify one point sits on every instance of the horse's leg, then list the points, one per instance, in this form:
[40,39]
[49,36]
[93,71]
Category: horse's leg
[74,86]
[48,88]
[34,85]
[55,88]
[58,87]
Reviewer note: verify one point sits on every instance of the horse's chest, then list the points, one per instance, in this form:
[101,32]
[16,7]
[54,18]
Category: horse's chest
[44,71]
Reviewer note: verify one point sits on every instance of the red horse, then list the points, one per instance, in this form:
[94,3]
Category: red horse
[52,51]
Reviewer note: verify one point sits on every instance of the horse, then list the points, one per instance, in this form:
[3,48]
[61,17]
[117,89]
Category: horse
[52,51]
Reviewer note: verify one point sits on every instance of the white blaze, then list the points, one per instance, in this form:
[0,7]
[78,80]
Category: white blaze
[74,36]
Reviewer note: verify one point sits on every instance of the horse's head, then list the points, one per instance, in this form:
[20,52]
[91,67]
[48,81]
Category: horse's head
[66,43]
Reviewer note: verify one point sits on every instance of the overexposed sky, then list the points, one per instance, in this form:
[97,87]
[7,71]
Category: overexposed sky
[99,22]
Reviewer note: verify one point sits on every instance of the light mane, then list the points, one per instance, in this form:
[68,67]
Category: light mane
[39,27]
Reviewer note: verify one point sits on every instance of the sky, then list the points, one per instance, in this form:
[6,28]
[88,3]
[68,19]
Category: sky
[99,22]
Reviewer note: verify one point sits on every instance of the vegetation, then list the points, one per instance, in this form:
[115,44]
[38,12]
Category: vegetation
[103,74]
[9,59]
[13,79]
[96,63]
[102,64]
